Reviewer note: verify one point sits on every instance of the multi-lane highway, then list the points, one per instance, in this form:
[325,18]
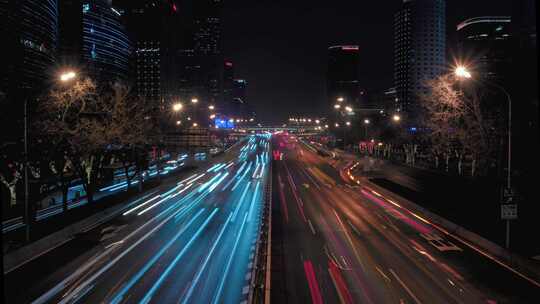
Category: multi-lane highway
[338,242]
[190,243]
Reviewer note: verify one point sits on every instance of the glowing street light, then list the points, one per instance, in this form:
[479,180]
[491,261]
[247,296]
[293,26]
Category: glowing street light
[396,117]
[177,106]
[348,123]
[189,118]
[211,107]
[337,125]
[178,122]
[317,121]
[195,124]
[194,100]
[340,99]
[326,126]
[462,72]
[337,106]
[366,121]
[212,116]
[67,76]
[348,109]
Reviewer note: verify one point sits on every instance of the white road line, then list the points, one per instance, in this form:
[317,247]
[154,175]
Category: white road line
[405,287]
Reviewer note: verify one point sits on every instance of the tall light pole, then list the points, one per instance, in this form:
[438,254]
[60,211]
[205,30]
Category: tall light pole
[462,72]
[366,124]
[64,77]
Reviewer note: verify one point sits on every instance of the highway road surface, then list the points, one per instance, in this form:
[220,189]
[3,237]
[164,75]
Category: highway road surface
[338,242]
[190,243]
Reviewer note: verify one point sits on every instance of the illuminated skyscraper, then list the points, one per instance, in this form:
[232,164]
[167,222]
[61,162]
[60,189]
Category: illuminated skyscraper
[484,44]
[29,31]
[342,74]
[419,48]
[30,36]
[106,45]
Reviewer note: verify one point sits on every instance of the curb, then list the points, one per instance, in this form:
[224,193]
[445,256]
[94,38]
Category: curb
[496,253]
[23,255]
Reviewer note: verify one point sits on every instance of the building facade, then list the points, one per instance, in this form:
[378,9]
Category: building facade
[30,34]
[106,46]
[419,48]
[29,30]
[208,47]
[228,83]
[342,74]
[485,46]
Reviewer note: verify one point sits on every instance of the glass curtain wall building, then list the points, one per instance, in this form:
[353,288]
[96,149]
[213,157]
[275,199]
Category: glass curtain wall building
[106,45]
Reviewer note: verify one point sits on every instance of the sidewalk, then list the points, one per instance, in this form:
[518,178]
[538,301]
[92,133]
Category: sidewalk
[40,229]
[473,204]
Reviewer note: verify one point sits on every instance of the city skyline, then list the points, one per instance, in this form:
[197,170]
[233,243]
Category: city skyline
[305,30]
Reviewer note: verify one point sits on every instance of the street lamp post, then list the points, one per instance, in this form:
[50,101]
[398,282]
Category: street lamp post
[462,73]
[26,190]
[64,77]
[366,124]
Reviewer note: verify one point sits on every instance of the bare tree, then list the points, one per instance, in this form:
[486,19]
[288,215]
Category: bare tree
[461,123]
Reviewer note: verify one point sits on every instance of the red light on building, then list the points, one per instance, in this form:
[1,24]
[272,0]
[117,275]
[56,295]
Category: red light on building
[174,7]
[229,64]
[350,48]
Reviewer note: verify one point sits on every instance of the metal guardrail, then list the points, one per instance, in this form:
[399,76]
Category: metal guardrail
[259,291]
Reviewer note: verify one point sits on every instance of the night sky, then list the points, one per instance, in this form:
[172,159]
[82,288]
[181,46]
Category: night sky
[279,46]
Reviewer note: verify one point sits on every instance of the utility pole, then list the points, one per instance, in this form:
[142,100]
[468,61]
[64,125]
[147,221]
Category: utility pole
[27,212]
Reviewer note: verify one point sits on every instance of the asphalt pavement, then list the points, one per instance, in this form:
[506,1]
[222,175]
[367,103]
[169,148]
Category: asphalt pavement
[338,242]
[191,243]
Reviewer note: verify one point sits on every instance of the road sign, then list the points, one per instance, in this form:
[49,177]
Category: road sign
[509,211]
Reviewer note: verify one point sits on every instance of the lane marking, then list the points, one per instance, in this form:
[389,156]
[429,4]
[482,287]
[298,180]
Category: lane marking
[311,227]
[411,294]
[160,280]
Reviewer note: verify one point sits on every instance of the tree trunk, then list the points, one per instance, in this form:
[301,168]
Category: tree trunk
[140,181]
[128,180]
[12,194]
[65,188]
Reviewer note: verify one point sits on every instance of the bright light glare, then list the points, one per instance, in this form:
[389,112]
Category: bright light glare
[462,72]
[67,76]
[211,107]
[177,107]
[194,100]
[337,106]
[396,117]
[366,121]
[348,109]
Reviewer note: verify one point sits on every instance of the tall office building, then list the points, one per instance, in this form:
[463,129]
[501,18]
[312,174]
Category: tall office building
[239,102]
[207,45]
[228,82]
[106,46]
[30,36]
[29,31]
[485,46]
[342,74]
[419,48]
[145,23]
